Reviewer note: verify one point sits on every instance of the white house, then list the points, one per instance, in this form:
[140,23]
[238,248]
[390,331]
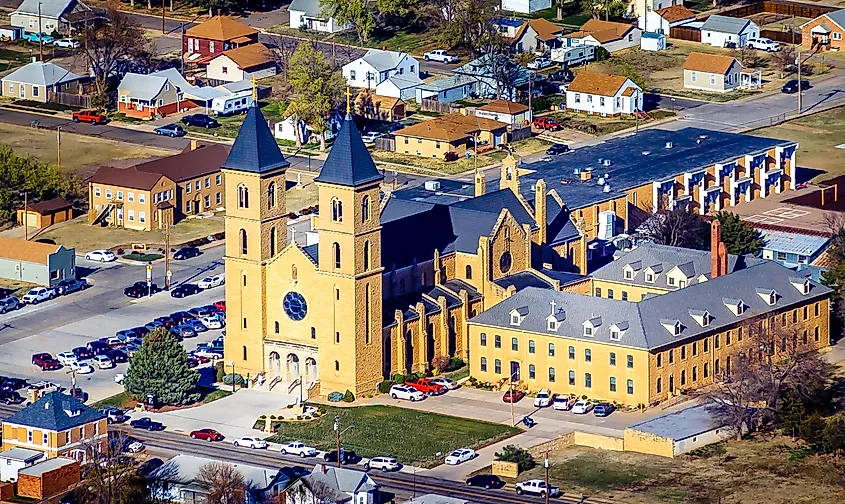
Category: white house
[15,459]
[506,111]
[608,34]
[661,21]
[525,6]
[719,31]
[377,66]
[287,129]
[603,94]
[242,63]
[56,15]
[400,86]
[333,484]
[306,13]
[447,89]
[638,7]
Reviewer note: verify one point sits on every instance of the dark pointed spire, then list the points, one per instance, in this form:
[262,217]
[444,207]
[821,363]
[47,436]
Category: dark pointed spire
[255,149]
[349,162]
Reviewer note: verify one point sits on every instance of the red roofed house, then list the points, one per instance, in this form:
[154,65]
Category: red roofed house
[217,35]
[661,21]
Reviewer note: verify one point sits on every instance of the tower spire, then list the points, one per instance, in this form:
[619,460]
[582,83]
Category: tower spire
[348,100]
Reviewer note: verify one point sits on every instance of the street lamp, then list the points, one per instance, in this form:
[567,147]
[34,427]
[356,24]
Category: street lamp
[338,433]
[546,470]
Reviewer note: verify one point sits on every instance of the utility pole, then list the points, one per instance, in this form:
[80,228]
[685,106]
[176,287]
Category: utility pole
[182,58]
[167,271]
[546,470]
[513,417]
[798,64]
[40,35]
[162,18]
[636,110]
[59,147]
[337,432]
[25,216]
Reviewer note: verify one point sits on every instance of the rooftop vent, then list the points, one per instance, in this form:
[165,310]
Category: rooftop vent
[669,145]
[606,188]
[606,176]
[432,185]
[646,152]
[703,137]
[587,174]
[606,162]
[601,181]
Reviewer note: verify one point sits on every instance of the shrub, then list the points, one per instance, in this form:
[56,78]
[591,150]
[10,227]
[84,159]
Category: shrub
[335,396]
[219,372]
[348,396]
[398,379]
[512,453]
[440,363]
[384,387]
[120,251]
[455,363]
[236,378]
[451,156]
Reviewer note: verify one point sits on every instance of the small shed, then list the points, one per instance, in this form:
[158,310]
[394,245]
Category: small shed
[650,41]
[9,32]
[15,459]
[48,478]
[678,432]
[45,213]
[379,108]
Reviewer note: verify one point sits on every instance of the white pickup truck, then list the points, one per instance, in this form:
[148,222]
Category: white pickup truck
[440,55]
[536,487]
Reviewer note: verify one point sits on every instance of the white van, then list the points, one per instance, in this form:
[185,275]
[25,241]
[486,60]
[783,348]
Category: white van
[236,103]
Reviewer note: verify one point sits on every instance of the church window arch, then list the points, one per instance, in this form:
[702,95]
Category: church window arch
[337,210]
[336,254]
[366,252]
[365,209]
[243,196]
[271,195]
[243,241]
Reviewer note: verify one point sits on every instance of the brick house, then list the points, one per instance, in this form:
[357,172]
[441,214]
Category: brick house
[824,32]
[217,35]
[48,478]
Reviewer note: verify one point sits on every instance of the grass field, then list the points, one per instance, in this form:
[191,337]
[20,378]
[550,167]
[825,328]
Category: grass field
[817,136]
[411,436]
[764,470]
[431,165]
[273,110]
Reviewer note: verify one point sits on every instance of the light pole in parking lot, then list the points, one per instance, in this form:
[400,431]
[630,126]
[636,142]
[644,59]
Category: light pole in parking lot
[232,363]
[546,470]
[149,278]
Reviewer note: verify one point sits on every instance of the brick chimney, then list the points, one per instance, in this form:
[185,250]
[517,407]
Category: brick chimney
[715,240]
[723,259]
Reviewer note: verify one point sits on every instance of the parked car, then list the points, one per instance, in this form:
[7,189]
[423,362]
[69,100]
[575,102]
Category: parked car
[135,447]
[406,392]
[487,481]
[513,396]
[185,289]
[563,402]
[167,322]
[197,325]
[46,362]
[118,356]
[70,285]
[65,358]
[763,44]
[543,399]
[184,331]
[180,317]
[80,367]
[426,386]
[97,348]
[445,382]
[220,305]
[10,397]
[298,448]
[546,123]
[146,423]
[383,464]
[37,295]
[115,342]
[67,43]
[171,130]
[103,361]
[10,303]
[791,87]
[556,149]
[540,63]
[83,353]
[251,442]
[38,37]
[441,56]
[207,435]
[562,75]
[90,116]
[101,255]
[186,253]
[212,322]
[346,457]
[212,281]
[536,487]
[13,384]
[582,407]
[114,415]
[603,409]
[460,455]
[199,312]
[139,289]
[209,353]
[201,120]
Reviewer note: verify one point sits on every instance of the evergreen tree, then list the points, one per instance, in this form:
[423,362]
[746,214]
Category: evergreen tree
[160,367]
[739,237]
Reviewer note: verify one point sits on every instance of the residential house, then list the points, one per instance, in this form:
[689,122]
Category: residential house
[48,478]
[639,7]
[536,35]
[242,63]
[376,66]
[162,93]
[15,459]
[661,21]
[496,76]
[379,108]
[508,27]
[45,213]
[58,425]
[215,36]
[63,16]
[130,198]
[35,81]
[824,32]
[525,6]
[722,31]
[178,480]
[453,133]
[292,129]
[308,14]
[447,89]
[35,262]
[506,111]
[333,484]
[400,86]
[712,72]
[678,432]
[603,94]
[608,34]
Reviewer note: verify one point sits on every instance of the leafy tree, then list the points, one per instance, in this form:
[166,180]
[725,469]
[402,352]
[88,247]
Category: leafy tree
[21,175]
[833,435]
[160,367]
[739,237]
[363,15]
[512,453]
[319,89]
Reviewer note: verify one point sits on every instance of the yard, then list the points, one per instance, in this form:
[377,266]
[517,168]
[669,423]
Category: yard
[273,111]
[817,136]
[412,436]
[764,470]
[599,126]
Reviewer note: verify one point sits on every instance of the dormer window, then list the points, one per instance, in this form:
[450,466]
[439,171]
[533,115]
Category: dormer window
[672,325]
[617,330]
[552,324]
[802,285]
[518,315]
[736,306]
[770,296]
[629,274]
[591,325]
[702,317]
[588,330]
[515,319]
[649,277]
[615,335]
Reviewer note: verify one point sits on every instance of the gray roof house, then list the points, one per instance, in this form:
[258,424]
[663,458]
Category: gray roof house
[376,66]
[722,31]
[35,80]
[56,15]
[307,13]
[334,484]
[447,89]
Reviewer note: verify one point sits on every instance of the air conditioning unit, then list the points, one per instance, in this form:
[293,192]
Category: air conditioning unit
[432,185]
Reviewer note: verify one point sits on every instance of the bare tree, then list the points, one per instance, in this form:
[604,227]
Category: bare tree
[224,483]
[285,47]
[784,60]
[678,227]
[109,476]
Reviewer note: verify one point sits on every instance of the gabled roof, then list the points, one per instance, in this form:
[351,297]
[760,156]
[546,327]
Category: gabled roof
[49,8]
[249,56]
[342,480]
[383,60]
[42,74]
[405,81]
[189,164]
[184,469]
[55,412]
[837,17]
[450,127]
[725,24]
[255,149]
[130,178]
[309,7]
[18,249]
[349,162]
[710,63]
[675,13]
[597,83]
[221,28]
[140,86]
[545,29]
[504,107]
[48,206]
[602,31]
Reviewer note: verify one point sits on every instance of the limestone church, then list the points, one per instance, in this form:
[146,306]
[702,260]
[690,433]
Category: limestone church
[391,282]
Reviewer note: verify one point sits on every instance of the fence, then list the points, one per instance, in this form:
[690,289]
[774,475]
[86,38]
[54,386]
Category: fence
[787,37]
[436,106]
[783,7]
[70,99]
[684,33]
[386,143]
[518,133]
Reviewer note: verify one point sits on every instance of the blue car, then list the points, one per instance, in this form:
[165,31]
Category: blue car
[197,325]
[171,130]
[36,37]
[185,330]
[603,409]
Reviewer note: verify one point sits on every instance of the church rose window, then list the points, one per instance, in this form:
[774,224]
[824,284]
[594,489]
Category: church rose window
[295,306]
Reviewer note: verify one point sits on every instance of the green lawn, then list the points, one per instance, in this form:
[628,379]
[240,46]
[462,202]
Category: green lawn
[273,110]
[411,436]
[121,400]
[137,256]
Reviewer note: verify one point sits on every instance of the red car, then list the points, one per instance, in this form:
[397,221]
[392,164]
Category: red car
[220,305]
[207,434]
[46,362]
[90,116]
[513,396]
[546,123]
[426,386]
